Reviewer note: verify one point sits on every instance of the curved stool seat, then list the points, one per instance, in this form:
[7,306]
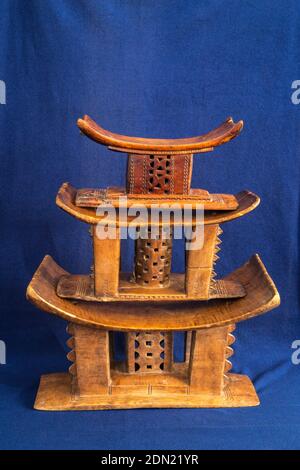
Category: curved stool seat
[261,296]
[246,201]
[123,143]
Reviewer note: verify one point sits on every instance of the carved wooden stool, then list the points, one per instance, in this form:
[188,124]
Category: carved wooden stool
[152,302]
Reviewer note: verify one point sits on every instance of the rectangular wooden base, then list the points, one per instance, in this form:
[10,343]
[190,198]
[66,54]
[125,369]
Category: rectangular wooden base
[55,394]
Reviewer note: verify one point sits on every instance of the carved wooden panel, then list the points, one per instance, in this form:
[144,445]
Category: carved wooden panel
[149,352]
[111,196]
[159,174]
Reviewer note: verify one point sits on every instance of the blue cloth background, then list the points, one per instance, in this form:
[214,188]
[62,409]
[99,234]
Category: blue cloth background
[163,69]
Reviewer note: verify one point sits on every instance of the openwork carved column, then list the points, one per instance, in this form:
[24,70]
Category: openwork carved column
[159,175]
[153,261]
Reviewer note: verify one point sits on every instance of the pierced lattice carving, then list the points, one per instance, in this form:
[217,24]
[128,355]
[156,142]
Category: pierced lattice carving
[159,174]
[149,352]
[153,261]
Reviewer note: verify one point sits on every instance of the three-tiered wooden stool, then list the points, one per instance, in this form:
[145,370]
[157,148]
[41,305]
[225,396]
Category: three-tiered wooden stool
[151,303]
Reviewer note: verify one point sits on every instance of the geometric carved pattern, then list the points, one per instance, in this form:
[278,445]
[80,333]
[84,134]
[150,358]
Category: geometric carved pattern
[228,353]
[149,352]
[153,261]
[159,171]
[200,263]
[156,174]
[71,356]
[213,288]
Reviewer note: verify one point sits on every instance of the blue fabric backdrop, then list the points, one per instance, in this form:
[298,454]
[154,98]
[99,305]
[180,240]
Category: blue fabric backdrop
[150,68]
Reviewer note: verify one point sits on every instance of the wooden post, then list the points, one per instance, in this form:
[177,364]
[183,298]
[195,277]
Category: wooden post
[106,264]
[200,263]
[92,360]
[187,346]
[207,360]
